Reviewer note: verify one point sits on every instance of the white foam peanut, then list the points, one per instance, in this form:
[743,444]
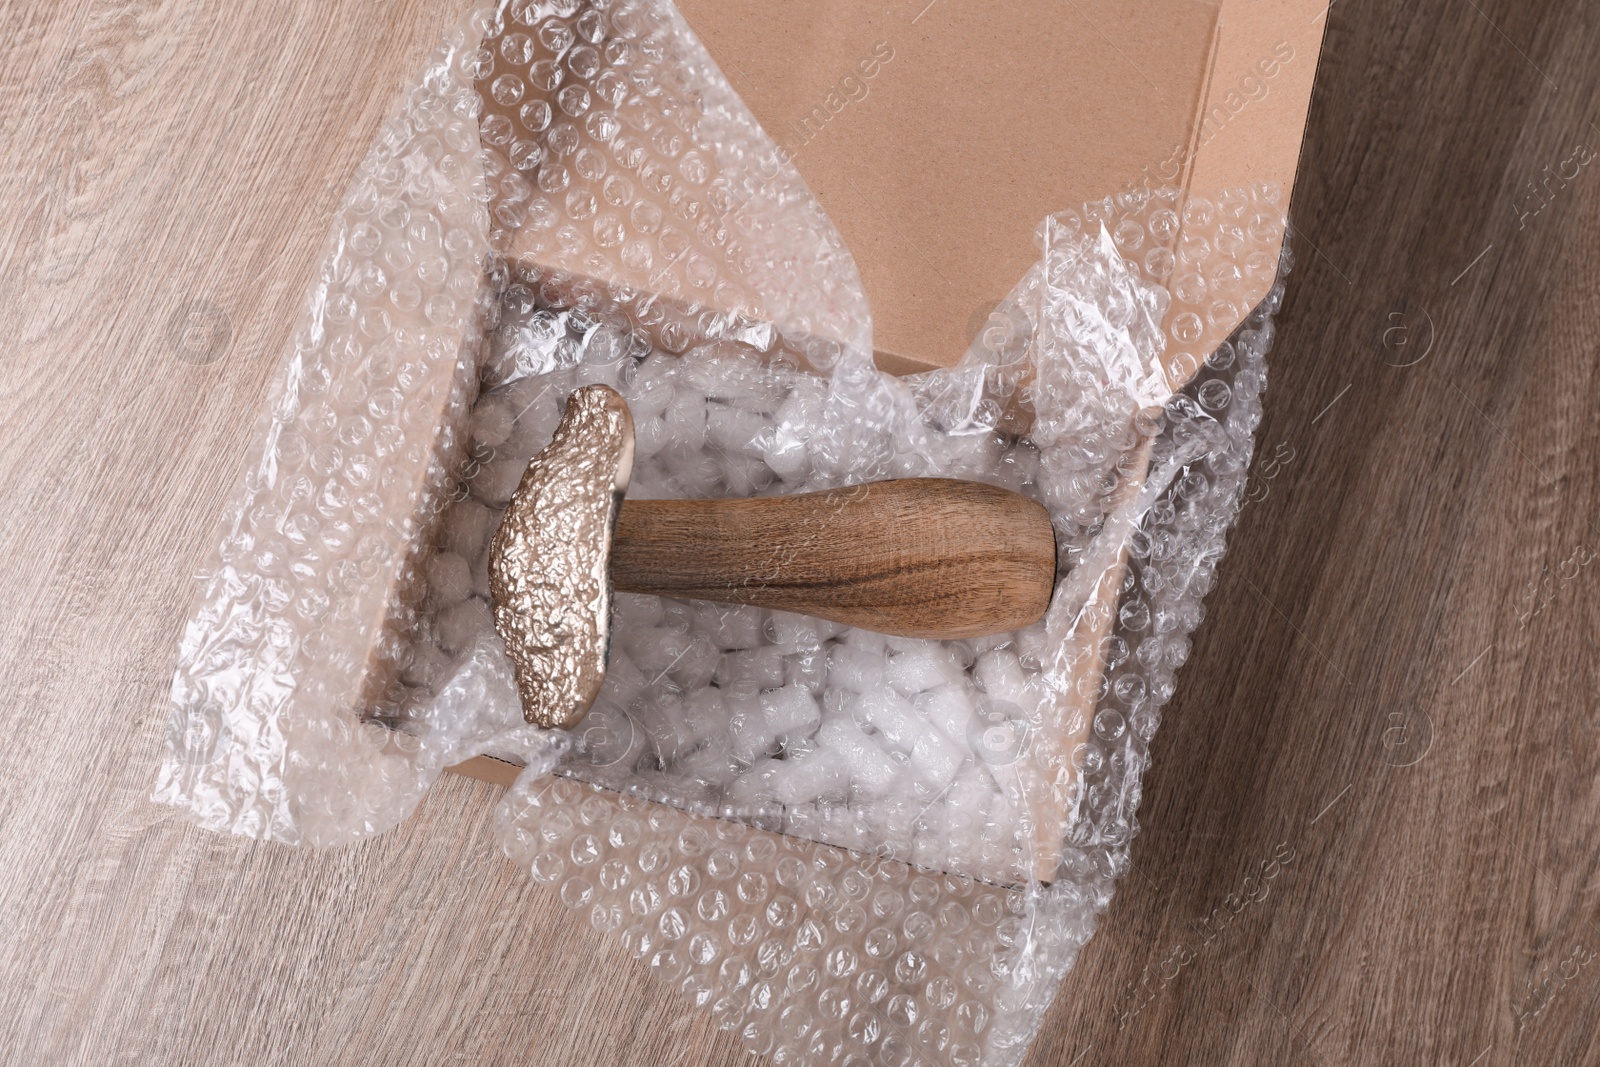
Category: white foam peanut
[761,667]
[467,527]
[791,709]
[865,640]
[853,669]
[635,611]
[870,767]
[649,435]
[705,713]
[924,667]
[755,784]
[497,479]
[658,650]
[793,633]
[537,419]
[686,426]
[449,578]
[710,763]
[891,715]
[493,420]
[1000,673]
[750,735]
[624,681]
[459,625]
[733,428]
[800,781]
[935,758]
[729,627]
[698,665]
[950,708]
[808,669]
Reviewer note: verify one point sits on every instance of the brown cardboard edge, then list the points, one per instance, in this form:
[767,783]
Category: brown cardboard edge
[498,772]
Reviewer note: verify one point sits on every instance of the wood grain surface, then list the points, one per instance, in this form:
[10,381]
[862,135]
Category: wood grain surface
[1391,706]
[914,557]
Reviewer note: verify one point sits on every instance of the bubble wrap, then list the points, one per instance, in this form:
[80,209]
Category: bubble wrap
[851,848]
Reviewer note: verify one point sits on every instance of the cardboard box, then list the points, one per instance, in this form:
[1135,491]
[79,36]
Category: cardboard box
[938,134]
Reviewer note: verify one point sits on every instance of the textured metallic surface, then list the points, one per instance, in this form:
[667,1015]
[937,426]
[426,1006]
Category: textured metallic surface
[550,561]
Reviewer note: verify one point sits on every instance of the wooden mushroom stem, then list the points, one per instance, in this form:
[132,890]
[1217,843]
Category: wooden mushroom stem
[914,557]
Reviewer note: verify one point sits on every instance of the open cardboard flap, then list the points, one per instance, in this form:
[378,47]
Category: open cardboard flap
[938,135]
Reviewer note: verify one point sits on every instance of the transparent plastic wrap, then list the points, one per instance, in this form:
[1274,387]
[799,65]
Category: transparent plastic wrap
[852,848]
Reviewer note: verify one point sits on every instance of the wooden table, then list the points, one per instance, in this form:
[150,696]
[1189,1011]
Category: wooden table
[1374,693]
